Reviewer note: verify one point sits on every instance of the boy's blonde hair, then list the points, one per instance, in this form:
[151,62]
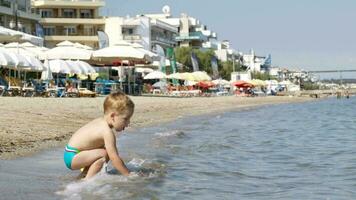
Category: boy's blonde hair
[118,102]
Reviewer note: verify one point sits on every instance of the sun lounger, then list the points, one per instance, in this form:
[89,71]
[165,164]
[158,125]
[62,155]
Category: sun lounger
[2,90]
[28,91]
[84,92]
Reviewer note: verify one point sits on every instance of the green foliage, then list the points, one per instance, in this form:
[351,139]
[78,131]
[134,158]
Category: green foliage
[261,76]
[310,86]
[183,55]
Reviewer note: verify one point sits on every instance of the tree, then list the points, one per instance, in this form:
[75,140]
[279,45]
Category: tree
[261,76]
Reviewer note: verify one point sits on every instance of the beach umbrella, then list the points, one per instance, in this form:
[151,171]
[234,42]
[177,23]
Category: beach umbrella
[176,76]
[6,60]
[36,50]
[188,76]
[35,64]
[119,52]
[85,67]
[241,83]
[155,75]
[15,47]
[201,76]
[59,66]
[67,51]
[257,82]
[152,55]
[205,84]
[46,73]
[74,67]
[20,60]
[143,70]
[160,84]
[221,82]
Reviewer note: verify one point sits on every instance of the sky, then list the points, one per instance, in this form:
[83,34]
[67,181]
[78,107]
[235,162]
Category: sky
[299,34]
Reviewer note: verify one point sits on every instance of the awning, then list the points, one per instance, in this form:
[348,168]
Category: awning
[9,35]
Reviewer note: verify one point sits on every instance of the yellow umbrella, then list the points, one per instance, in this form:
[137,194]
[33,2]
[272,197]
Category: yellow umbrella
[257,82]
[201,76]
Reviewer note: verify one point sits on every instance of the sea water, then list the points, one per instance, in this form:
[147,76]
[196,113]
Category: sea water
[289,151]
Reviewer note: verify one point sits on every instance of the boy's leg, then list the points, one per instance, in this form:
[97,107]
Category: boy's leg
[87,158]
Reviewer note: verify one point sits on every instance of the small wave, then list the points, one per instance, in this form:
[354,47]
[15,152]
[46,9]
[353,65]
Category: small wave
[109,177]
[177,133]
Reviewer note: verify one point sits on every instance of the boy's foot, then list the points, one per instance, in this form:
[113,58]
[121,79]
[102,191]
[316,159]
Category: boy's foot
[83,173]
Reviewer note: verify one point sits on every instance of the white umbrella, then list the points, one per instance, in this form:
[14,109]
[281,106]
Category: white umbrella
[85,67]
[35,64]
[18,48]
[155,75]
[82,46]
[6,59]
[221,82]
[139,47]
[122,51]
[20,60]
[47,73]
[59,66]
[66,50]
[36,50]
[143,70]
[74,67]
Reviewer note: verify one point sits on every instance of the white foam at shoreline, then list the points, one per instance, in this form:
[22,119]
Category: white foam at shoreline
[170,133]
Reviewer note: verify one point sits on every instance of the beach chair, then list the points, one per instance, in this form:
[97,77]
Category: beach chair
[28,90]
[84,92]
[2,90]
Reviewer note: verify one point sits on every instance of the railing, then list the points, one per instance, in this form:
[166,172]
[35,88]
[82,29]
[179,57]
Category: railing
[5,3]
[192,36]
[164,40]
[132,37]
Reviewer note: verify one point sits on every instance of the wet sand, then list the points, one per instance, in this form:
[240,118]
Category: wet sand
[29,125]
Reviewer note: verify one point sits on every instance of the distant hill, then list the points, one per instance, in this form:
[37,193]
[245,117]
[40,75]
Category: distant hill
[351,80]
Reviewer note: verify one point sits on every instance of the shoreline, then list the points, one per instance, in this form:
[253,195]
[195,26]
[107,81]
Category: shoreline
[30,125]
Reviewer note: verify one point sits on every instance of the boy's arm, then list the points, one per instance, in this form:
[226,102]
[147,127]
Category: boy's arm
[110,145]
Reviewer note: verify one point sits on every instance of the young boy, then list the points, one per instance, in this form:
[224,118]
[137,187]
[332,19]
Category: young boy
[94,143]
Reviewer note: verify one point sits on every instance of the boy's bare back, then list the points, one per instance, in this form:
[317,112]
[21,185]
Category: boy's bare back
[91,135]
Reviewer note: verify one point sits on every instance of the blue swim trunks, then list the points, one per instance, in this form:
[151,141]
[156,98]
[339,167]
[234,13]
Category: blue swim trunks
[69,154]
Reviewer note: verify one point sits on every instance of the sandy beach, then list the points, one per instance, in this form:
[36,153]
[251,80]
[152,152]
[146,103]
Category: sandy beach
[29,125]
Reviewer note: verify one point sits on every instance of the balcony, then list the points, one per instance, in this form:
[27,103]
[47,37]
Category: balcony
[76,38]
[163,40]
[72,21]
[191,36]
[68,3]
[132,38]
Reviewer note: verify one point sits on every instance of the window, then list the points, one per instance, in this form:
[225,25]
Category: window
[88,31]
[85,14]
[68,13]
[47,13]
[48,31]
[70,30]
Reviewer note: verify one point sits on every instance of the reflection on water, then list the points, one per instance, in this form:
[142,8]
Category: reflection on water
[291,151]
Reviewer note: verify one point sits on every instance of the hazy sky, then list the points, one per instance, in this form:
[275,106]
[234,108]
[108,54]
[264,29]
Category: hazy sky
[304,34]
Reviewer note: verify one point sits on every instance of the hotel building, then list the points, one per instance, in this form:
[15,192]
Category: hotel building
[17,15]
[142,30]
[73,20]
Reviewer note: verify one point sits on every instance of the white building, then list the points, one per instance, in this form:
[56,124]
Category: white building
[225,53]
[73,20]
[141,29]
[18,16]
[191,33]
[244,76]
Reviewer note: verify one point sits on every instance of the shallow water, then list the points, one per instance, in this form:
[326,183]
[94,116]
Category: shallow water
[290,151]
